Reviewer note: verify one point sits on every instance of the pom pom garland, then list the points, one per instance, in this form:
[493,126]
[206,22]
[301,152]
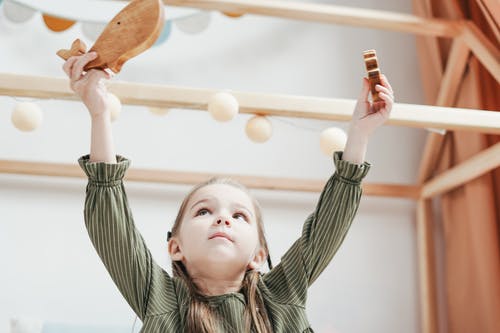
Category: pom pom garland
[27,116]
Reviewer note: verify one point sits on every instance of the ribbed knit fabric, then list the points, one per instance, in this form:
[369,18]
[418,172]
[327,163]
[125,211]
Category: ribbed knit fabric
[161,302]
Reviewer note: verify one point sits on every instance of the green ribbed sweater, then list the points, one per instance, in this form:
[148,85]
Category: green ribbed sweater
[161,301]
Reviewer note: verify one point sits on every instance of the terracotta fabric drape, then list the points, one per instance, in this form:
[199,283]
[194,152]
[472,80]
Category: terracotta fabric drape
[471,213]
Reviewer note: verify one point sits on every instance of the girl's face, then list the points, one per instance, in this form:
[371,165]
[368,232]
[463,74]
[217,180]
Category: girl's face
[218,231]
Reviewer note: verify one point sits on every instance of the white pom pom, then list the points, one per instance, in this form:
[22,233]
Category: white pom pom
[26,116]
[223,106]
[114,106]
[333,139]
[259,129]
[159,111]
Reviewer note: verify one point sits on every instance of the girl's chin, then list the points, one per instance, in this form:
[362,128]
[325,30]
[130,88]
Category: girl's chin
[221,256]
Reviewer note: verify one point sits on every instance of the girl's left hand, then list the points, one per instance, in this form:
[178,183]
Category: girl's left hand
[368,116]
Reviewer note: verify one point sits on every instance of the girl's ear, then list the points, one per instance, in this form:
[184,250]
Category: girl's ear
[174,249]
[258,260]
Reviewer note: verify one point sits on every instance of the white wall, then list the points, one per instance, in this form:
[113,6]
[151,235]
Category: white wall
[53,272]
[50,270]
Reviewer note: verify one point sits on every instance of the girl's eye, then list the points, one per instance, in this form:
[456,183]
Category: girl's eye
[202,212]
[240,216]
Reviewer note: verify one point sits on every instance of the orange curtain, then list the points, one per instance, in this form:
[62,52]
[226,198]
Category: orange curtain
[470,213]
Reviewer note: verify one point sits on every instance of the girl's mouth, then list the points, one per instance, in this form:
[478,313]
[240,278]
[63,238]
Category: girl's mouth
[221,235]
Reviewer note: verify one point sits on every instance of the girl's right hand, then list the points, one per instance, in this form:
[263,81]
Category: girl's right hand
[88,85]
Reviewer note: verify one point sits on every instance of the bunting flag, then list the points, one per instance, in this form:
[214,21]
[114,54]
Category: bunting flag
[59,18]
[232,15]
[167,29]
[92,30]
[194,24]
[17,13]
[57,24]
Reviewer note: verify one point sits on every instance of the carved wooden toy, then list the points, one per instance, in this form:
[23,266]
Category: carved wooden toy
[132,31]
[373,71]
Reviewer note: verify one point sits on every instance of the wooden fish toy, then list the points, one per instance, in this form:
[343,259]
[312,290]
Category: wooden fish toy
[132,31]
[373,71]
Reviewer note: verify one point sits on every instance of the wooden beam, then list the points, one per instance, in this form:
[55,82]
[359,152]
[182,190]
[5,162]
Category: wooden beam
[485,51]
[191,178]
[455,68]
[493,7]
[332,14]
[418,116]
[427,268]
[430,156]
[485,161]
[491,11]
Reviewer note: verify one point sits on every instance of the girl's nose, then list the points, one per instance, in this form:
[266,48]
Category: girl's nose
[223,221]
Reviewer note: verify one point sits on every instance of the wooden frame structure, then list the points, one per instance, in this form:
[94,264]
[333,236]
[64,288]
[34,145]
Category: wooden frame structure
[467,39]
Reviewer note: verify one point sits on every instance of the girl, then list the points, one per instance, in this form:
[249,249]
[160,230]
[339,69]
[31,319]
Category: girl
[217,243]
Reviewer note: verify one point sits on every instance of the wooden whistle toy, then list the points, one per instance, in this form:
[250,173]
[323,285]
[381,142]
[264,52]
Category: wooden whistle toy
[373,71]
[132,31]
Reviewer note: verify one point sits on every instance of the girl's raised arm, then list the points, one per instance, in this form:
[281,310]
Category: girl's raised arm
[325,229]
[92,91]
[108,218]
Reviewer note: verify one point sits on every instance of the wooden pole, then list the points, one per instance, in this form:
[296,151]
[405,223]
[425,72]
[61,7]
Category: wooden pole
[426,264]
[191,178]
[418,116]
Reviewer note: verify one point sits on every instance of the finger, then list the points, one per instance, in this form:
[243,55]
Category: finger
[109,72]
[386,83]
[83,60]
[383,89]
[387,99]
[363,96]
[77,70]
[68,65]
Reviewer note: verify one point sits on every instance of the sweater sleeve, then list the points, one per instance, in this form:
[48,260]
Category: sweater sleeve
[120,246]
[322,234]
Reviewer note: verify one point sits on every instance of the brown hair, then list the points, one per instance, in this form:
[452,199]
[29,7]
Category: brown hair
[200,316]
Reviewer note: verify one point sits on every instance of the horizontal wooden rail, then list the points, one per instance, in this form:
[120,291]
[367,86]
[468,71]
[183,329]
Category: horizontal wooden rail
[326,13]
[411,115]
[190,178]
